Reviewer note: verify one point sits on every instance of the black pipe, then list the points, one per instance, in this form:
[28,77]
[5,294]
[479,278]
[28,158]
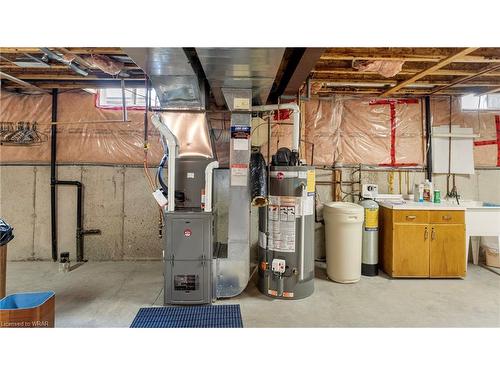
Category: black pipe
[53,198]
[79,216]
[53,176]
[428,132]
[146,106]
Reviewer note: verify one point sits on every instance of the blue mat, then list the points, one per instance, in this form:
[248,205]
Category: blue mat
[209,316]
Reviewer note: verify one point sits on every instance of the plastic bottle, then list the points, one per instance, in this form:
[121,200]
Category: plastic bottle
[418,192]
[427,191]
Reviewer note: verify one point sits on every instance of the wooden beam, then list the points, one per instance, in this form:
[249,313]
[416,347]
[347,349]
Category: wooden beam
[51,69]
[303,69]
[97,50]
[83,84]
[14,67]
[440,72]
[71,77]
[77,50]
[20,82]
[378,82]
[335,56]
[462,80]
[428,58]
[399,94]
[433,68]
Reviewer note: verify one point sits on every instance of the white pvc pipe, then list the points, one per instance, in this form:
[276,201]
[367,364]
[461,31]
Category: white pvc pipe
[209,171]
[173,154]
[296,119]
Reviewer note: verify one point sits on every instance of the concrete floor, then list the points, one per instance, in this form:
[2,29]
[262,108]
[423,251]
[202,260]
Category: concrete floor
[109,294]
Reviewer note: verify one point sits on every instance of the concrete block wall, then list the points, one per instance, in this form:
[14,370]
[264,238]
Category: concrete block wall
[118,201]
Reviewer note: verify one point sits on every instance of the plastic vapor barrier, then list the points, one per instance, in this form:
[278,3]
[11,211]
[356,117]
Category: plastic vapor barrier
[353,130]
[340,129]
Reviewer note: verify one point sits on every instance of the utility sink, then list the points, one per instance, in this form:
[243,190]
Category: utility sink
[482,219]
[472,204]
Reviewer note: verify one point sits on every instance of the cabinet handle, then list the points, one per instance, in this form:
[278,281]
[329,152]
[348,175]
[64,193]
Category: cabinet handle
[446,217]
[426,234]
[411,217]
[433,234]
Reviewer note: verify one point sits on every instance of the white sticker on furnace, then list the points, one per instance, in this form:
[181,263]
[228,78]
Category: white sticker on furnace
[240,144]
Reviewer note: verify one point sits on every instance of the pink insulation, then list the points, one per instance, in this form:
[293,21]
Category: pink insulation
[343,129]
[105,63]
[351,130]
[386,68]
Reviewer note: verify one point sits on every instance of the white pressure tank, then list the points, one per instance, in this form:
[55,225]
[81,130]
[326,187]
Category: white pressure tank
[344,241]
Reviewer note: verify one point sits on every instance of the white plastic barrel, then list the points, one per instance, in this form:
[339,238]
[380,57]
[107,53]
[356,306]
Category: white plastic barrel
[344,241]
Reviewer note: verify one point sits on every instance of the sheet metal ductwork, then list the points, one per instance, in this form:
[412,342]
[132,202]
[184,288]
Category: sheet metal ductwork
[172,76]
[241,68]
[236,75]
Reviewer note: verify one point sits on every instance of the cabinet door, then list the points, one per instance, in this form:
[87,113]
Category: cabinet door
[411,250]
[447,250]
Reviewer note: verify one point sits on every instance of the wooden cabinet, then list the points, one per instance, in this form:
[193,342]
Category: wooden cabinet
[411,250]
[447,250]
[422,243]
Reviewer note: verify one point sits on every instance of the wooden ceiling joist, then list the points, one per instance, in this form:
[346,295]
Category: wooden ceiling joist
[409,54]
[21,82]
[83,84]
[77,50]
[460,81]
[433,68]
[440,72]
[55,74]
[465,59]
[374,92]
[74,77]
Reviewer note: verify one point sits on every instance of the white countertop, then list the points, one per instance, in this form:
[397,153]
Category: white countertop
[411,205]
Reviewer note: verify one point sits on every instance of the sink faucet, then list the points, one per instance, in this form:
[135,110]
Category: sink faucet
[453,193]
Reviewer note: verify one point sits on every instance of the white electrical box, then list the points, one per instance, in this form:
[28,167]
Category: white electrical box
[160,198]
[278,265]
[369,191]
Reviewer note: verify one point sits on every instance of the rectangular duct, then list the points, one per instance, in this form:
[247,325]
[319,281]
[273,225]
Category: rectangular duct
[241,68]
[172,76]
[233,272]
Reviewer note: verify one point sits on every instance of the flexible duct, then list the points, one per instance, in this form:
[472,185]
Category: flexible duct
[258,179]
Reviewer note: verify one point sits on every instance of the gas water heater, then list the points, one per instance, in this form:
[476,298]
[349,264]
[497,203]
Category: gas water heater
[286,230]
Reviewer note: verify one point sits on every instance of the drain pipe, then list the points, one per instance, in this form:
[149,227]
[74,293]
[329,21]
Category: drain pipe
[296,119]
[53,177]
[428,139]
[80,232]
